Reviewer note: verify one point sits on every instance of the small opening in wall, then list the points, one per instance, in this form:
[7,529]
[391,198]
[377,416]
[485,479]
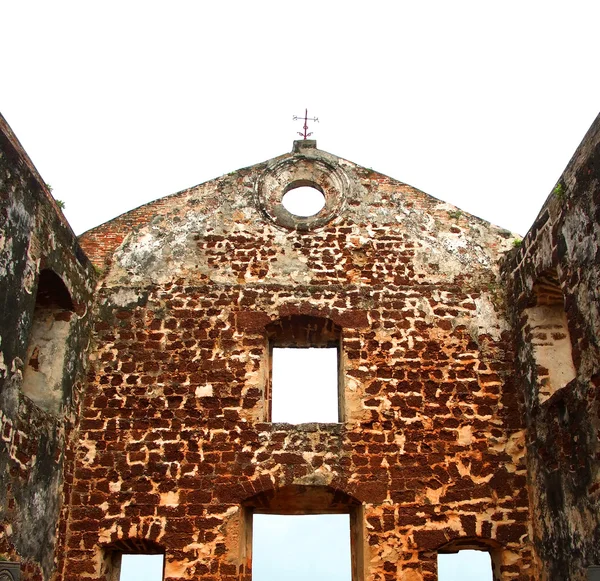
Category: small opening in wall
[305,373]
[133,560]
[305,385]
[141,567]
[467,565]
[303,200]
[593,573]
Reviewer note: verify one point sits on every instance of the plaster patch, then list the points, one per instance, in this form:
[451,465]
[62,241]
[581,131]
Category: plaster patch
[169,499]
[465,435]
[125,297]
[204,391]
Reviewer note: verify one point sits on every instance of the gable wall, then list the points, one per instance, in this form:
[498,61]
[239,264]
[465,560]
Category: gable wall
[174,440]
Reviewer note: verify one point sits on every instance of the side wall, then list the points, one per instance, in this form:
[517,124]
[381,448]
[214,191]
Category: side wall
[560,257]
[34,236]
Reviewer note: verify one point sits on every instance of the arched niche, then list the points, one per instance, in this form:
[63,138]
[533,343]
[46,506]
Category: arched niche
[45,359]
[548,332]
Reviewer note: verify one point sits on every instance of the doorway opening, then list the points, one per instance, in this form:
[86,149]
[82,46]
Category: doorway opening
[300,547]
[300,532]
[466,565]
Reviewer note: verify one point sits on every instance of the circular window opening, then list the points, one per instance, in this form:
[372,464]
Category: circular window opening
[303,201]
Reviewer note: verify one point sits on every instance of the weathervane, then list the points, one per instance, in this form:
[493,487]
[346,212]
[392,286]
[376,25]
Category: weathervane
[306,120]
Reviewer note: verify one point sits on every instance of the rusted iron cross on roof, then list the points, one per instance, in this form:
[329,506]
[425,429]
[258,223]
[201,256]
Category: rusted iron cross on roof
[305,135]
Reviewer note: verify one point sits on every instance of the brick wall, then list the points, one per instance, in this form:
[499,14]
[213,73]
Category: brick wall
[174,449]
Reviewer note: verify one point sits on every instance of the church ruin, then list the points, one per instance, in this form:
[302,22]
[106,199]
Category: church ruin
[136,375]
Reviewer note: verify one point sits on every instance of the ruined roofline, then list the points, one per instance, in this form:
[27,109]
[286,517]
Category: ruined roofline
[567,181]
[570,191]
[156,202]
[299,147]
[94,241]
[101,241]
[6,130]
[309,144]
[20,153]
[302,145]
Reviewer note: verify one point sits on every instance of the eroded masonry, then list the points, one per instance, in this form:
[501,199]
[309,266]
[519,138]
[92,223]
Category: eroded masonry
[140,412]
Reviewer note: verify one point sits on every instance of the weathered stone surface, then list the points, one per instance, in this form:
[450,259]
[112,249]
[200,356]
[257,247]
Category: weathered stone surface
[36,239]
[177,405]
[561,254]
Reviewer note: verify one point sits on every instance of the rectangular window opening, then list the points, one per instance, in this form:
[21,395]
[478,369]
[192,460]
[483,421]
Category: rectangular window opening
[466,565]
[305,385]
[141,567]
[301,547]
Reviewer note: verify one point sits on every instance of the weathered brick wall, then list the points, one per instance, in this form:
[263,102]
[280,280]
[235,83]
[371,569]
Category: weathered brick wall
[174,446]
[34,236]
[563,431]
[101,242]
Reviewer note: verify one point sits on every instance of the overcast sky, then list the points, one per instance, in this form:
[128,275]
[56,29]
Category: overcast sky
[478,103]
[305,385]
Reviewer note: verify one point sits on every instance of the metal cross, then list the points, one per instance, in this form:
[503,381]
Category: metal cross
[305,135]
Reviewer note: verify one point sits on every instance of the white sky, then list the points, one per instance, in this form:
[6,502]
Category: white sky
[478,103]
[305,385]
[301,547]
[303,201]
[141,567]
[465,565]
